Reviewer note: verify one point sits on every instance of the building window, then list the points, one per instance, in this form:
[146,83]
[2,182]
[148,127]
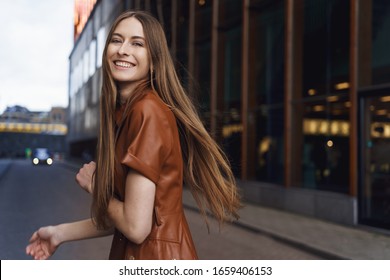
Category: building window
[232,126]
[101,39]
[267,80]
[325,154]
[380,41]
[230,26]
[374,157]
[325,100]
[85,66]
[92,58]
[202,67]
[76,78]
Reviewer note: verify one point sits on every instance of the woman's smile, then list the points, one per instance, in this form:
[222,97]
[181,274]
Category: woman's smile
[123,64]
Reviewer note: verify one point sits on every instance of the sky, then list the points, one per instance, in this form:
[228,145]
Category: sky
[36,38]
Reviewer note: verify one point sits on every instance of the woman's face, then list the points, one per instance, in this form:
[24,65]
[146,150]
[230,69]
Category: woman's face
[127,55]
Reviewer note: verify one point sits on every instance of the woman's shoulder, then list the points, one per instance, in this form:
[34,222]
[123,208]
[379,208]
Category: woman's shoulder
[152,116]
[150,104]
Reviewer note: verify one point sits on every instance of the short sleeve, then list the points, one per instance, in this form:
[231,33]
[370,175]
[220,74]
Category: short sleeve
[149,139]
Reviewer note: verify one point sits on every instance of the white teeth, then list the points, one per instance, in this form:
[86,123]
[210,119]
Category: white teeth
[123,64]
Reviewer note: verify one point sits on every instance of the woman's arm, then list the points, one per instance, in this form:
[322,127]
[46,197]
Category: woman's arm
[79,230]
[134,216]
[45,241]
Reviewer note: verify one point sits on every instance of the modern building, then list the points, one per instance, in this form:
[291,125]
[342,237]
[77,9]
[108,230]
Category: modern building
[296,91]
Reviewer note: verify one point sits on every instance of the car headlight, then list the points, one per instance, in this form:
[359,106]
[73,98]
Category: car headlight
[49,161]
[35,161]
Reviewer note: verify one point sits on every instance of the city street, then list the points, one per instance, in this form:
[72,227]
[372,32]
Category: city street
[34,196]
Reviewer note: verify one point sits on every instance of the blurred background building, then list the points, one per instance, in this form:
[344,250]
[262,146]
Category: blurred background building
[296,91]
[23,130]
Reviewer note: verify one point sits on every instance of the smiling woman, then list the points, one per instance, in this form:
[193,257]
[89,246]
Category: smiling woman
[148,129]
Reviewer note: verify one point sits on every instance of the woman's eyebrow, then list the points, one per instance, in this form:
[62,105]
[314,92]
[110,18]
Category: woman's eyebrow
[132,37]
[117,34]
[138,37]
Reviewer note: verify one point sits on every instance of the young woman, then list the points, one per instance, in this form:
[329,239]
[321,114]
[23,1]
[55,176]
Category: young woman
[151,140]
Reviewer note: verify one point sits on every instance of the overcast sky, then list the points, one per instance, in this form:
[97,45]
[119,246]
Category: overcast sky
[36,38]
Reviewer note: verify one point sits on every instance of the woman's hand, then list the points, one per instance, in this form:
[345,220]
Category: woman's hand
[43,243]
[85,177]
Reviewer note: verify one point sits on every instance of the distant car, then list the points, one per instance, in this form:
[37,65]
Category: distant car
[42,156]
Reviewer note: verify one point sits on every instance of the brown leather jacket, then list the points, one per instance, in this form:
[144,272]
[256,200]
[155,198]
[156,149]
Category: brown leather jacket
[148,142]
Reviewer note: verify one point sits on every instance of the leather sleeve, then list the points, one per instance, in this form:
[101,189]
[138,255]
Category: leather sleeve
[149,139]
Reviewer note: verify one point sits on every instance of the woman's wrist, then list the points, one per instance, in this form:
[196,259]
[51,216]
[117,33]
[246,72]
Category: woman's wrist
[57,236]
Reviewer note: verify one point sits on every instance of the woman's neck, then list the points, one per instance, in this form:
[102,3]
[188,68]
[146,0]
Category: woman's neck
[125,93]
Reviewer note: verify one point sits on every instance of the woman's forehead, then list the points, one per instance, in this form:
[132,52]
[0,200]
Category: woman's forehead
[130,27]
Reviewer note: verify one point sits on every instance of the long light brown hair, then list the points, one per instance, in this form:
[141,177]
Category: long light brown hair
[206,169]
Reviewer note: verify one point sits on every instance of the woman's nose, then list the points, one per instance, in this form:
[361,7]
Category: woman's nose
[124,49]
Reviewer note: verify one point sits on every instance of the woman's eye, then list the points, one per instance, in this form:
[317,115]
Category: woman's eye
[114,40]
[138,44]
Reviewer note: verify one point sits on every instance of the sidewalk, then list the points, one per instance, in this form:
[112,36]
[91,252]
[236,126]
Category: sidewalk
[330,240]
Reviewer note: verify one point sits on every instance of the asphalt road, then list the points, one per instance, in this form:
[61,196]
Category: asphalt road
[34,196]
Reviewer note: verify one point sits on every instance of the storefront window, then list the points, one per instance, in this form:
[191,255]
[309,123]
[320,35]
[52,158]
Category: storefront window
[203,52]
[232,98]
[325,100]
[325,46]
[375,161]
[325,154]
[380,41]
[203,58]
[268,87]
[182,28]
